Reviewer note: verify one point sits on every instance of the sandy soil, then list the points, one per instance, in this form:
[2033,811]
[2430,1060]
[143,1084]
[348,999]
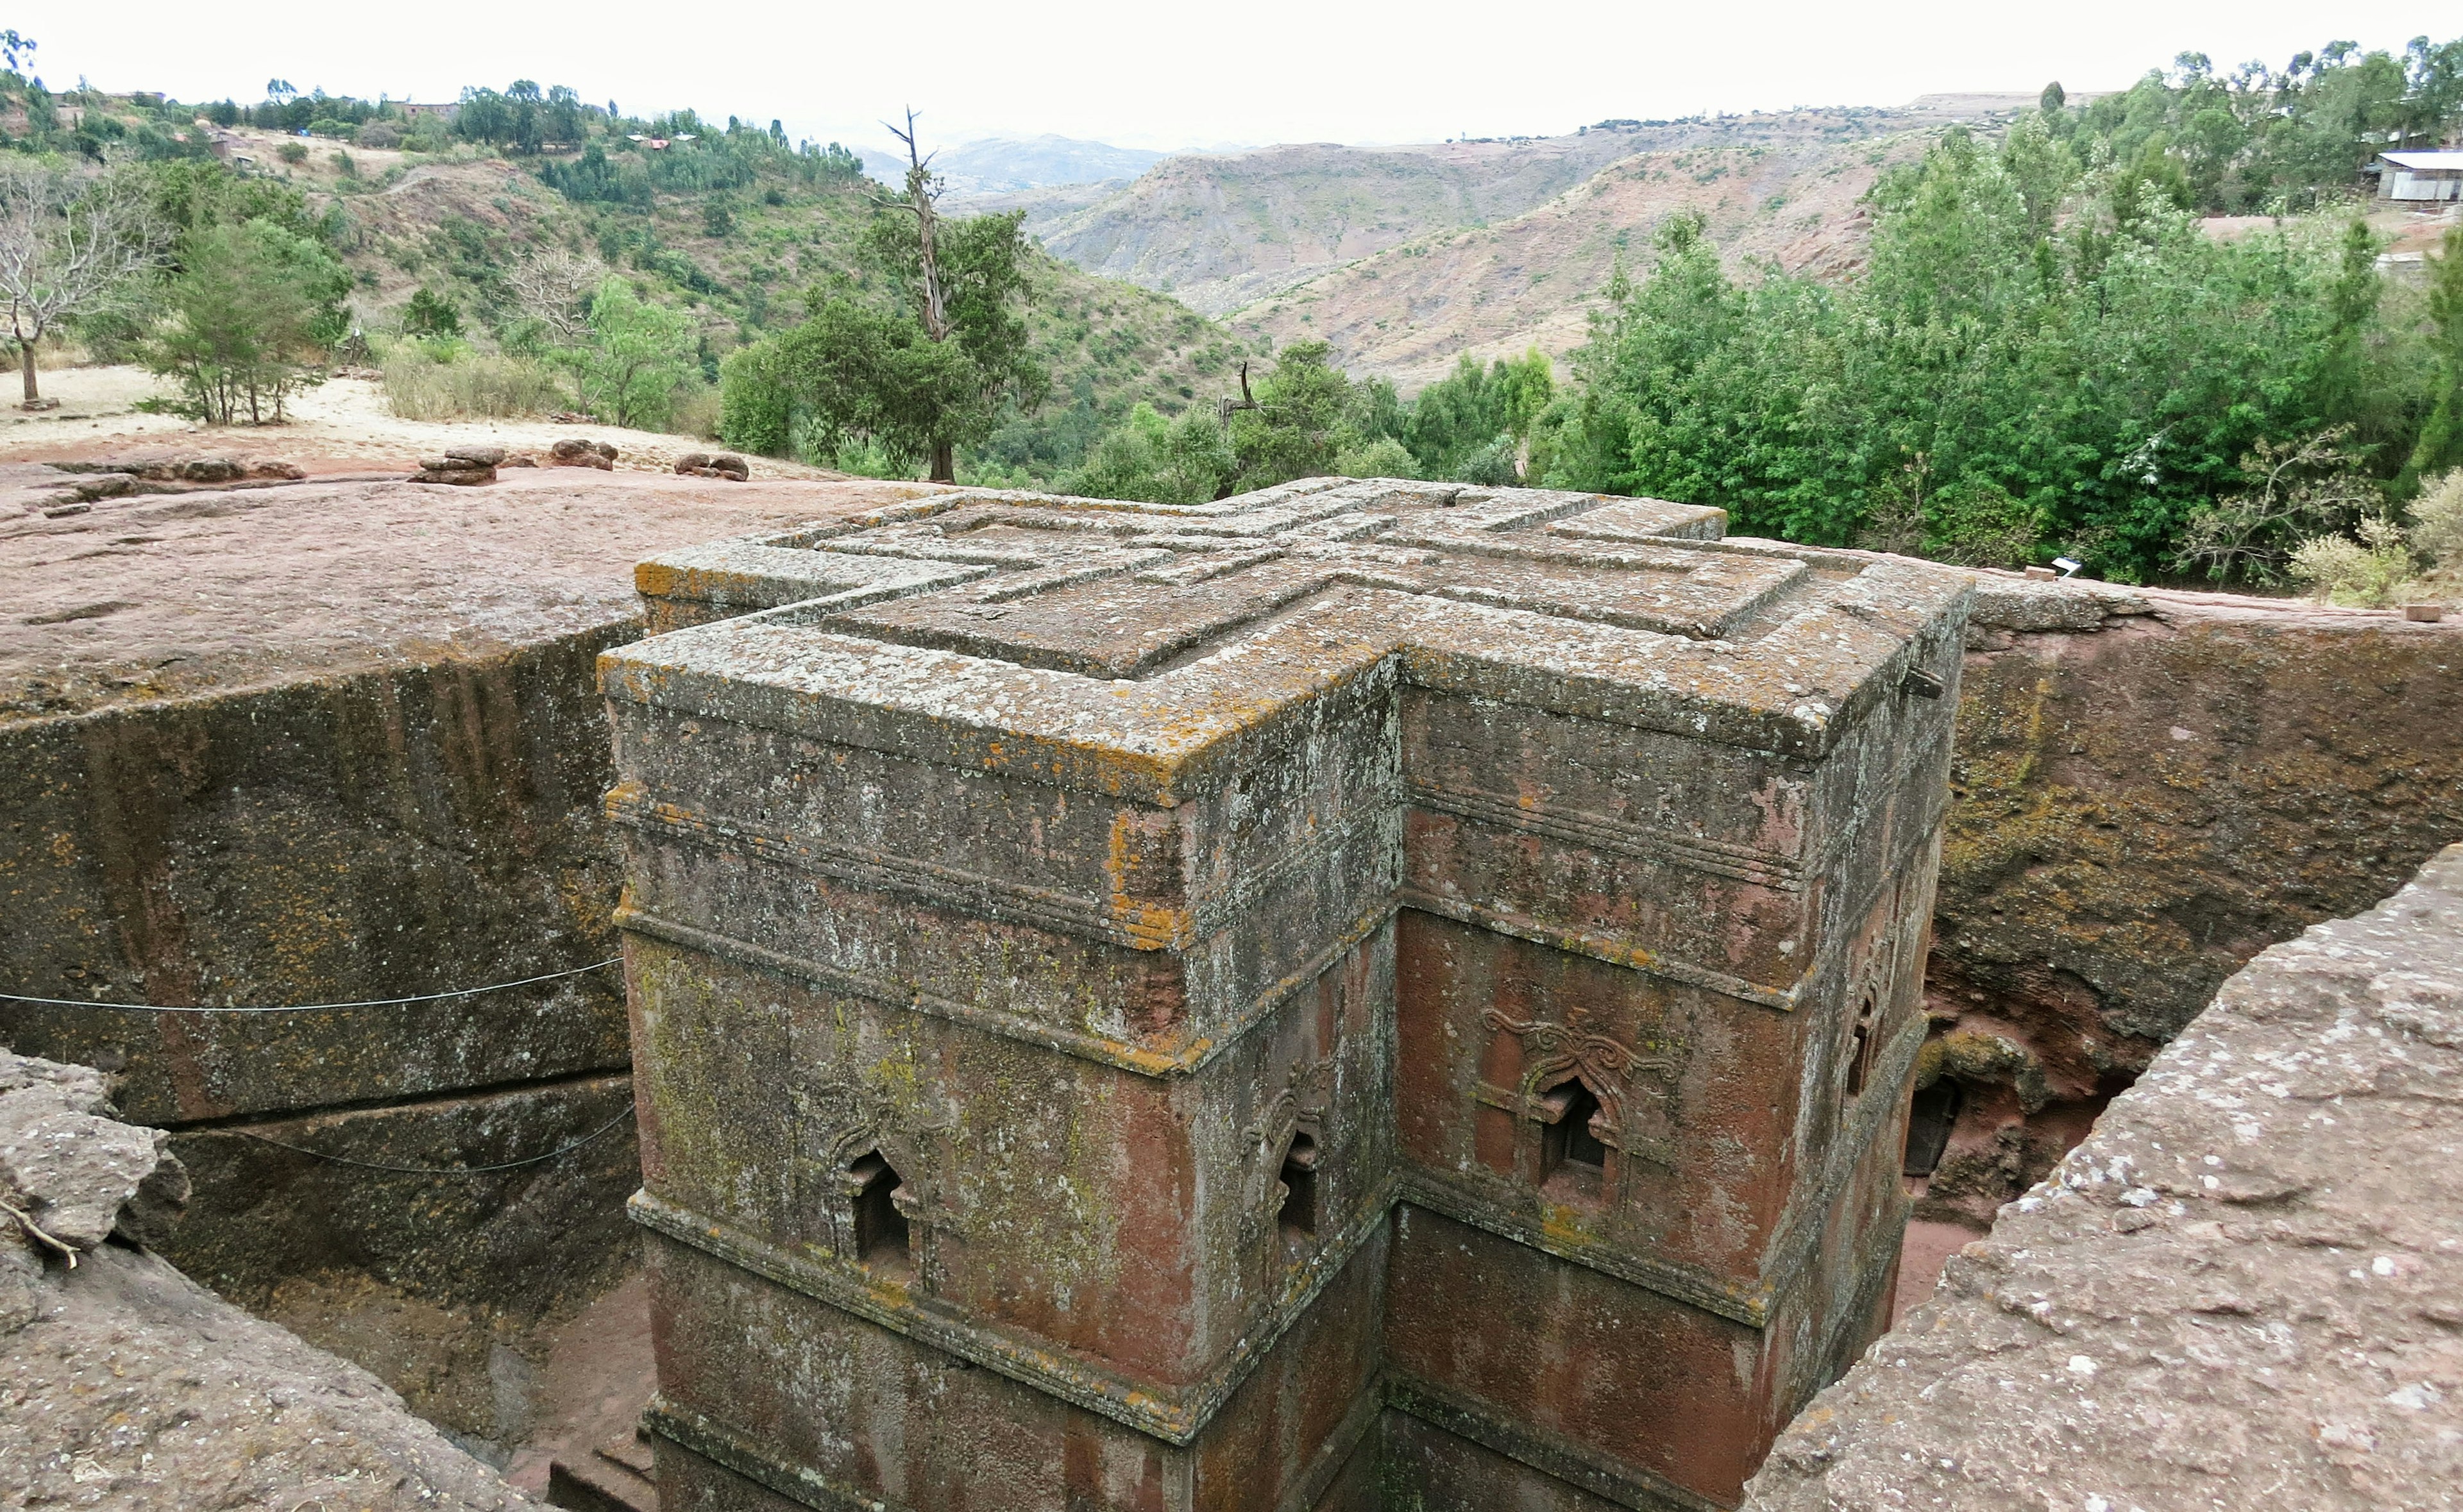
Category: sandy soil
[343,425]
[166,594]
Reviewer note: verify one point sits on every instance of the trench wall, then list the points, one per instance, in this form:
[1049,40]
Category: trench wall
[319,839]
[2245,1290]
[2148,788]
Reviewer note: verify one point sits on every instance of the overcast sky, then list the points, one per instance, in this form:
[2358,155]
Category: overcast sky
[1177,74]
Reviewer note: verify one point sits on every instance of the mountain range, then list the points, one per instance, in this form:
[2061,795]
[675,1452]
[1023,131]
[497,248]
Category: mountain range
[1404,257]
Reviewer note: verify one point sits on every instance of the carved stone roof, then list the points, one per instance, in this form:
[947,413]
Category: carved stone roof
[1123,647]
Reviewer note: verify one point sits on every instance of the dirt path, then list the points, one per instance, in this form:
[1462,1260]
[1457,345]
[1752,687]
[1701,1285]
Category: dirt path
[341,425]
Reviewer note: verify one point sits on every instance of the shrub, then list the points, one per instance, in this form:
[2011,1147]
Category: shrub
[418,387]
[431,314]
[1381,458]
[294,153]
[2370,573]
[381,135]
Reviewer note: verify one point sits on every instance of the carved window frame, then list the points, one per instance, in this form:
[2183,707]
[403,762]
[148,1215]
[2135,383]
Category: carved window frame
[1558,1055]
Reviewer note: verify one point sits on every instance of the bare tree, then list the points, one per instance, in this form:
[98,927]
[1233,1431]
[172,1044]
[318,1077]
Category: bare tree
[552,287]
[2298,489]
[923,190]
[69,246]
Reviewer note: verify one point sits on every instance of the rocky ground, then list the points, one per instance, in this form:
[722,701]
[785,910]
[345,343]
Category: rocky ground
[124,1384]
[2245,1290]
[152,595]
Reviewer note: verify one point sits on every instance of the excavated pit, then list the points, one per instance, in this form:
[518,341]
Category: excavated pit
[320,742]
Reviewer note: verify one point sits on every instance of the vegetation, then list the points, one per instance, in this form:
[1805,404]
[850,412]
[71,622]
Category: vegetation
[2390,561]
[633,358]
[71,248]
[2040,356]
[252,312]
[2261,139]
[917,375]
[427,382]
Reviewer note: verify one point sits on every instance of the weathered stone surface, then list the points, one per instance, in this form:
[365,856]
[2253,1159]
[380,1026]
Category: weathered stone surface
[72,1174]
[124,1384]
[2244,1289]
[330,742]
[2150,788]
[1454,952]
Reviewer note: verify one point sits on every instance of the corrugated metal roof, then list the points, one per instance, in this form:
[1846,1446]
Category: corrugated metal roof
[2418,161]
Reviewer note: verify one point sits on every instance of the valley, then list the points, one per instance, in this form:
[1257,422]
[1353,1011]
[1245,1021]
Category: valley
[1404,257]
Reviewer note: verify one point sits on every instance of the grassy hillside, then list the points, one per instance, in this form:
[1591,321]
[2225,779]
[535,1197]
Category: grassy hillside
[736,244]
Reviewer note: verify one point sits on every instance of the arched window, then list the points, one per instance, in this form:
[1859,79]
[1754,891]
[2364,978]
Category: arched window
[1296,1217]
[1860,1049]
[879,1227]
[1567,1141]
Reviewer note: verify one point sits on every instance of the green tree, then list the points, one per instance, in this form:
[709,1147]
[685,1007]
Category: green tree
[1187,460]
[2000,384]
[635,357]
[918,379]
[1298,426]
[254,307]
[431,314]
[2441,436]
[1466,421]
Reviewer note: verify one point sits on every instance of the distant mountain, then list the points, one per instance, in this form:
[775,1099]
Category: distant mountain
[1010,164]
[1403,257]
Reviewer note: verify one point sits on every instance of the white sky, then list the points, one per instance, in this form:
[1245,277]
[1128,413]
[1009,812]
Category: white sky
[1171,74]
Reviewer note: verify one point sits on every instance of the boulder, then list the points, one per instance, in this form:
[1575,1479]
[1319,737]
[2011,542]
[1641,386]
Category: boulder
[287,471]
[453,470]
[210,469]
[476,455]
[575,452]
[519,459]
[703,464]
[71,1173]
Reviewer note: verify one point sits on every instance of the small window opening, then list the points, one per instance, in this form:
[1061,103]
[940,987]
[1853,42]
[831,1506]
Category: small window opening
[880,1228]
[1931,1117]
[1298,1213]
[1860,1050]
[1569,1140]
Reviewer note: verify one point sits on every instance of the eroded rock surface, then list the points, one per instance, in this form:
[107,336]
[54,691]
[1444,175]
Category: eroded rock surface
[2245,1290]
[2150,788]
[124,1384]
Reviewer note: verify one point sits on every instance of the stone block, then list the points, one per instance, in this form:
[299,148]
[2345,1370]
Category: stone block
[1108,967]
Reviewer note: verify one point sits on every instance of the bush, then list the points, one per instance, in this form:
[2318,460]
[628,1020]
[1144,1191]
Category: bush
[2370,573]
[431,314]
[294,153]
[1381,458]
[381,135]
[419,386]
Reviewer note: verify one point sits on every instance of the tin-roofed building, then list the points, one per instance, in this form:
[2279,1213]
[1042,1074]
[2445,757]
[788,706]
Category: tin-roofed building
[2429,176]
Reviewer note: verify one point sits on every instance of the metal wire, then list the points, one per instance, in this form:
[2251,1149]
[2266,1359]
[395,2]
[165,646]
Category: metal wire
[441,1170]
[313,1008]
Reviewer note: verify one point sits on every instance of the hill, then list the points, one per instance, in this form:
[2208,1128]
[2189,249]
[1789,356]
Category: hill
[1485,223]
[1408,312]
[1008,164]
[736,244]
